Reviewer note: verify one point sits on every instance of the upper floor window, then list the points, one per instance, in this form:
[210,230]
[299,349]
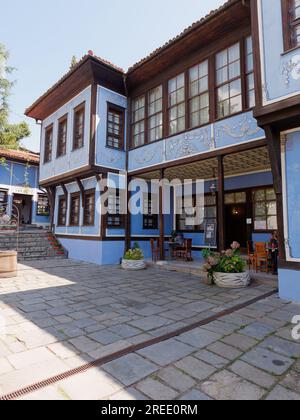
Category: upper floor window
[138,121]
[43,208]
[115,127]
[48,144]
[89,208]
[62,136]
[75,209]
[176,104]
[250,73]
[229,83]
[62,211]
[199,95]
[78,135]
[291,23]
[155,114]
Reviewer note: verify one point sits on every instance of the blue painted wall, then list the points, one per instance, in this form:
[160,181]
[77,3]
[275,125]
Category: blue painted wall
[289,285]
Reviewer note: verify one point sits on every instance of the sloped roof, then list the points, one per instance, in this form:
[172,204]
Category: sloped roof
[20,155]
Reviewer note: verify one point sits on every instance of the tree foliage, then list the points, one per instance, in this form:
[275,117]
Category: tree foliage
[10,134]
[73,62]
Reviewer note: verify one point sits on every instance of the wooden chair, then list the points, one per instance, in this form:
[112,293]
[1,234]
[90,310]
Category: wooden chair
[155,251]
[261,257]
[185,253]
[251,256]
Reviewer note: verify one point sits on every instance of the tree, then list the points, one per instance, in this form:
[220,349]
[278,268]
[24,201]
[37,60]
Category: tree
[10,134]
[73,62]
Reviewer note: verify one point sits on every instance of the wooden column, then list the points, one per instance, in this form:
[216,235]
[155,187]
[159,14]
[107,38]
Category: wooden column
[221,205]
[128,219]
[161,218]
[51,197]
[274,146]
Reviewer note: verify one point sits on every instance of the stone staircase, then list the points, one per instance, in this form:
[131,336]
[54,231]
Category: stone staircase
[32,244]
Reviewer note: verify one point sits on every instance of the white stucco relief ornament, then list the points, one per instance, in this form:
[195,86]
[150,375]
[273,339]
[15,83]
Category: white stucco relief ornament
[147,156]
[188,145]
[111,157]
[291,69]
[245,127]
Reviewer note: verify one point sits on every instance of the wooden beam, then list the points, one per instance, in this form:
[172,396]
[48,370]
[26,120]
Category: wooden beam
[82,191]
[128,219]
[51,197]
[161,218]
[221,204]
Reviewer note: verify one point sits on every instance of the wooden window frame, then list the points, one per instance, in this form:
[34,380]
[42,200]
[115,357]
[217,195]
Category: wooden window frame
[5,192]
[112,108]
[48,144]
[288,25]
[254,190]
[89,193]
[59,212]
[148,116]
[113,216]
[213,102]
[146,217]
[38,213]
[78,110]
[183,102]
[199,95]
[73,197]
[62,147]
[198,229]
[248,73]
[144,120]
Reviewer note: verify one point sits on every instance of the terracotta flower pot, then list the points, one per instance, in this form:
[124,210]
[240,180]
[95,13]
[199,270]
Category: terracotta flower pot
[8,264]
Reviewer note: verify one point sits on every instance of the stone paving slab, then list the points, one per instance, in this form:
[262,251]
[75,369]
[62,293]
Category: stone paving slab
[77,312]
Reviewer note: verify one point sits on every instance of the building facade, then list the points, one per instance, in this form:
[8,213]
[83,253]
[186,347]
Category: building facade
[208,105]
[19,187]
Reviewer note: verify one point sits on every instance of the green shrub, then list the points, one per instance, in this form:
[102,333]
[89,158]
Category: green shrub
[134,254]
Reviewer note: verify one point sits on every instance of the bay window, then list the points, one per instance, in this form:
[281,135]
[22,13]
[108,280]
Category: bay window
[176,104]
[199,95]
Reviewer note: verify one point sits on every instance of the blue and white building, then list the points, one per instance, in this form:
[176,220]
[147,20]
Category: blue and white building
[215,104]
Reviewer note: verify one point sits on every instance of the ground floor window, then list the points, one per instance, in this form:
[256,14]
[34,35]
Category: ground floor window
[89,208]
[150,216]
[114,216]
[62,211]
[186,220]
[43,208]
[3,197]
[265,210]
[75,209]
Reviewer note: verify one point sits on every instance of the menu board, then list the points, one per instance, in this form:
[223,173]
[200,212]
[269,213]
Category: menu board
[210,233]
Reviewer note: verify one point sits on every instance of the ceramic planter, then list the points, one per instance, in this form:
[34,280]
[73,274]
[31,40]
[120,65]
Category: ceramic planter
[133,265]
[8,264]
[232,280]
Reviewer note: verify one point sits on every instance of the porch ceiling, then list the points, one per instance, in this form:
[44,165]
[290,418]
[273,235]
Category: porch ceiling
[234,164]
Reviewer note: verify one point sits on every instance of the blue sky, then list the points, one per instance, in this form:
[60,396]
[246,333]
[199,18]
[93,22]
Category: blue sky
[42,36]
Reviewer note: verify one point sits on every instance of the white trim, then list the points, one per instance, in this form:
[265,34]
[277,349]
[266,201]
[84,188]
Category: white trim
[263,64]
[284,195]
[217,149]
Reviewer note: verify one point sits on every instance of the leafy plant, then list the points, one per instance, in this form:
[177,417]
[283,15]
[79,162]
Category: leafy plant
[229,261]
[135,254]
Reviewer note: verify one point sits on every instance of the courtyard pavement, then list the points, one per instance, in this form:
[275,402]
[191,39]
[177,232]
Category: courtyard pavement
[62,314]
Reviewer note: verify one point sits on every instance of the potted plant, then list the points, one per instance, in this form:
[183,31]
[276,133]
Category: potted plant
[228,269]
[134,259]
[8,259]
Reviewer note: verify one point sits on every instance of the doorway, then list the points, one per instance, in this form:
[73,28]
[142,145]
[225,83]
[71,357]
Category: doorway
[24,205]
[236,224]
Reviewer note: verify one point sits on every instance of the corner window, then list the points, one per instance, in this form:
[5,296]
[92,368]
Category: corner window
[229,83]
[265,210]
[138,121]
[43,208]
[48,144]
[291,23]
[62,211]
[115,127]
[155,114]
[74,209]
[176,104]
[62,136]
[89,208]
[78,135]
[199,95]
